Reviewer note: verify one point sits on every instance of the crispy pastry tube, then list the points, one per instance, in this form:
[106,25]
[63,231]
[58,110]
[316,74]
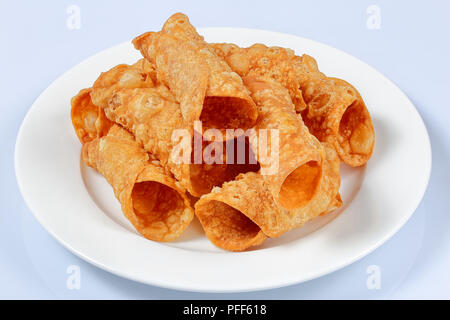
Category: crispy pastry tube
[336,113]
[327,197]
[328,99]
[204,85]
[88,117]
[234,215]
[151,200]
[153,115]
[132,97]
[139,75]
[262,61]
[356,134]
[89,121]
[300,155]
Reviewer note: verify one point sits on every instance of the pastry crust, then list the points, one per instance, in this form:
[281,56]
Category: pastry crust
[336,113]
[201,81]
[151,200]
[331,108]
[259,61]
[299,156]
[243,212]
[150,111]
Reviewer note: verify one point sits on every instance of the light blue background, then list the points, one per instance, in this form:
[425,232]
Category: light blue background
[412,48]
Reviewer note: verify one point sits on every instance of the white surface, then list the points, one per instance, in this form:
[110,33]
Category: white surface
[49,175]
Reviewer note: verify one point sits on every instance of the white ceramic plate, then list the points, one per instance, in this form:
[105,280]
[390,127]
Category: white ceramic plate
[78,208]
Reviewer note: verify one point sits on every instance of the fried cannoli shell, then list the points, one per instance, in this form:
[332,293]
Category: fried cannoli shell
[234,215]
[335,112]
[202,82]
[356,137]
[327,197]
[241,213]
[89,121]
[262,61]
[151,200]
[88,117]
[153,115]
[121,93]
[300,155]
[139,75]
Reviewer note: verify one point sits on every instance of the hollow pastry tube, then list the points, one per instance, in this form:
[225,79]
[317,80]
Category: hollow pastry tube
[154,117]
[335,113]
[202,82]
[235,215]
[88,120]
[259,60]
[88,117]
[151,200]
[297,157]
[242,212]
[327,197]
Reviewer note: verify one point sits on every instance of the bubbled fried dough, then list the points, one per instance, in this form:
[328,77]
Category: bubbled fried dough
[150,199]
[202,82]
[241,213]
[332,109]
[259,61]
[88,120]
[300,156]
[335,113]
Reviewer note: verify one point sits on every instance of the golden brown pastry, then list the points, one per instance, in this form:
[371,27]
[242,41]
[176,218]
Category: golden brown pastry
[259,61]
[299,157]
[242,212]
[235,215]
[88,120]
[152,114]
[151,200]
[202,82]
[331,108]
[336,113]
